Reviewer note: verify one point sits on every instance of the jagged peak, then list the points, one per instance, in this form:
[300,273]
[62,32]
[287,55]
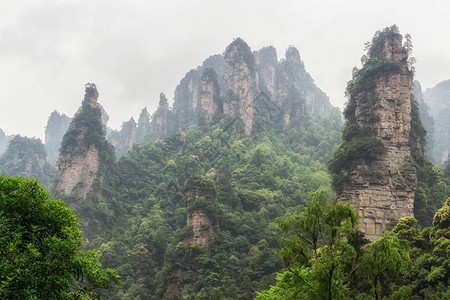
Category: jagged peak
[131,121]
[163,100]
[144,114]
[91,94]
[239,50]
[387,44]
[292,55]
[268,55]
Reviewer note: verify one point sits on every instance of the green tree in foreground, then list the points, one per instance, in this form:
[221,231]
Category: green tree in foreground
[41,251]
[316,251]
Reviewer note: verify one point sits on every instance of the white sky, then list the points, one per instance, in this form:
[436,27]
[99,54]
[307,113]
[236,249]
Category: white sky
[135,49]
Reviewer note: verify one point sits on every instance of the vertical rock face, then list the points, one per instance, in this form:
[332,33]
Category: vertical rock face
[268,70]
[4,140]
[160,119]
[83,151]
[425,116]
[200,193]
[438,99]
[57,126]
[210,103]
[380,187]
[240,77]
[186,99]
[124,139]
[143,128]
[298,92]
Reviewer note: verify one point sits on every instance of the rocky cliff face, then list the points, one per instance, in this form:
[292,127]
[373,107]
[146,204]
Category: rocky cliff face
[381,180]
[438,100]
[209,101]
[159,126]
[425,116]
[27,157]
[240,77]
[236,83]
[83,151]
[57,126]
[143,129]
[4,140]
[124,139]
[200,195]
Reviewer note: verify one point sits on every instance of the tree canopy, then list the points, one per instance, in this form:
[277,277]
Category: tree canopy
[41,251]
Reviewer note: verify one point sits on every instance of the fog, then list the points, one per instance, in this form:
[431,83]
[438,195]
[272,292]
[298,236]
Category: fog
[133,50]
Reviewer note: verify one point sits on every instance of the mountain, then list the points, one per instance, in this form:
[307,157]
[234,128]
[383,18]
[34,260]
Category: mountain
[437,98]
[380,167]
[239,83]
[4,140]
[57,126]
[425,116]
[191,205]
[85,155]
[26,157]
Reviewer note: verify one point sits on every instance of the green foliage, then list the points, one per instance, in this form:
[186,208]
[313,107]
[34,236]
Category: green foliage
[27,157]
[41,252]
[431,188]
[386,257]
[376,45]
[315,251]
[247,182]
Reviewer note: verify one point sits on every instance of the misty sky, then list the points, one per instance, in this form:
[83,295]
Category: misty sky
[135,49]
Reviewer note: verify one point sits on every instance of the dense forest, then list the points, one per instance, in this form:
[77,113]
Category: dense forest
[215,207]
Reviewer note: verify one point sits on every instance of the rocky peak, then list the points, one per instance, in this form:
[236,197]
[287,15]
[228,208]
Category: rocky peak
[241,82]
[57,125]
[163,103]
[293,56]
[210,103]
[268,70]
[84,150]
[91,95]
[143,126]
[27,157]
[4,140]
[159,126]
[374,168]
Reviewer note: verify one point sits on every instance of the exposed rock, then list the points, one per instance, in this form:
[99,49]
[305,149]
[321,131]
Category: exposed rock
[83,151]
[210,103]
[143,129]
[26,157]
[425,116]
[200,192]
[185,101]
[298,94]
[4,140]
[57,126]
[383,189]
[438,99]
[240,77]
[124,139]
[268,72]
[159,126]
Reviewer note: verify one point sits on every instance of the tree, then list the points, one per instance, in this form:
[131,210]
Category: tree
[386,257]
[41,251]
[315,251]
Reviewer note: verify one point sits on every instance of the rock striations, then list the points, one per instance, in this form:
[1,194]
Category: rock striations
[233,83]
[84,152]
[200,194]
[57,126]
[373,168]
